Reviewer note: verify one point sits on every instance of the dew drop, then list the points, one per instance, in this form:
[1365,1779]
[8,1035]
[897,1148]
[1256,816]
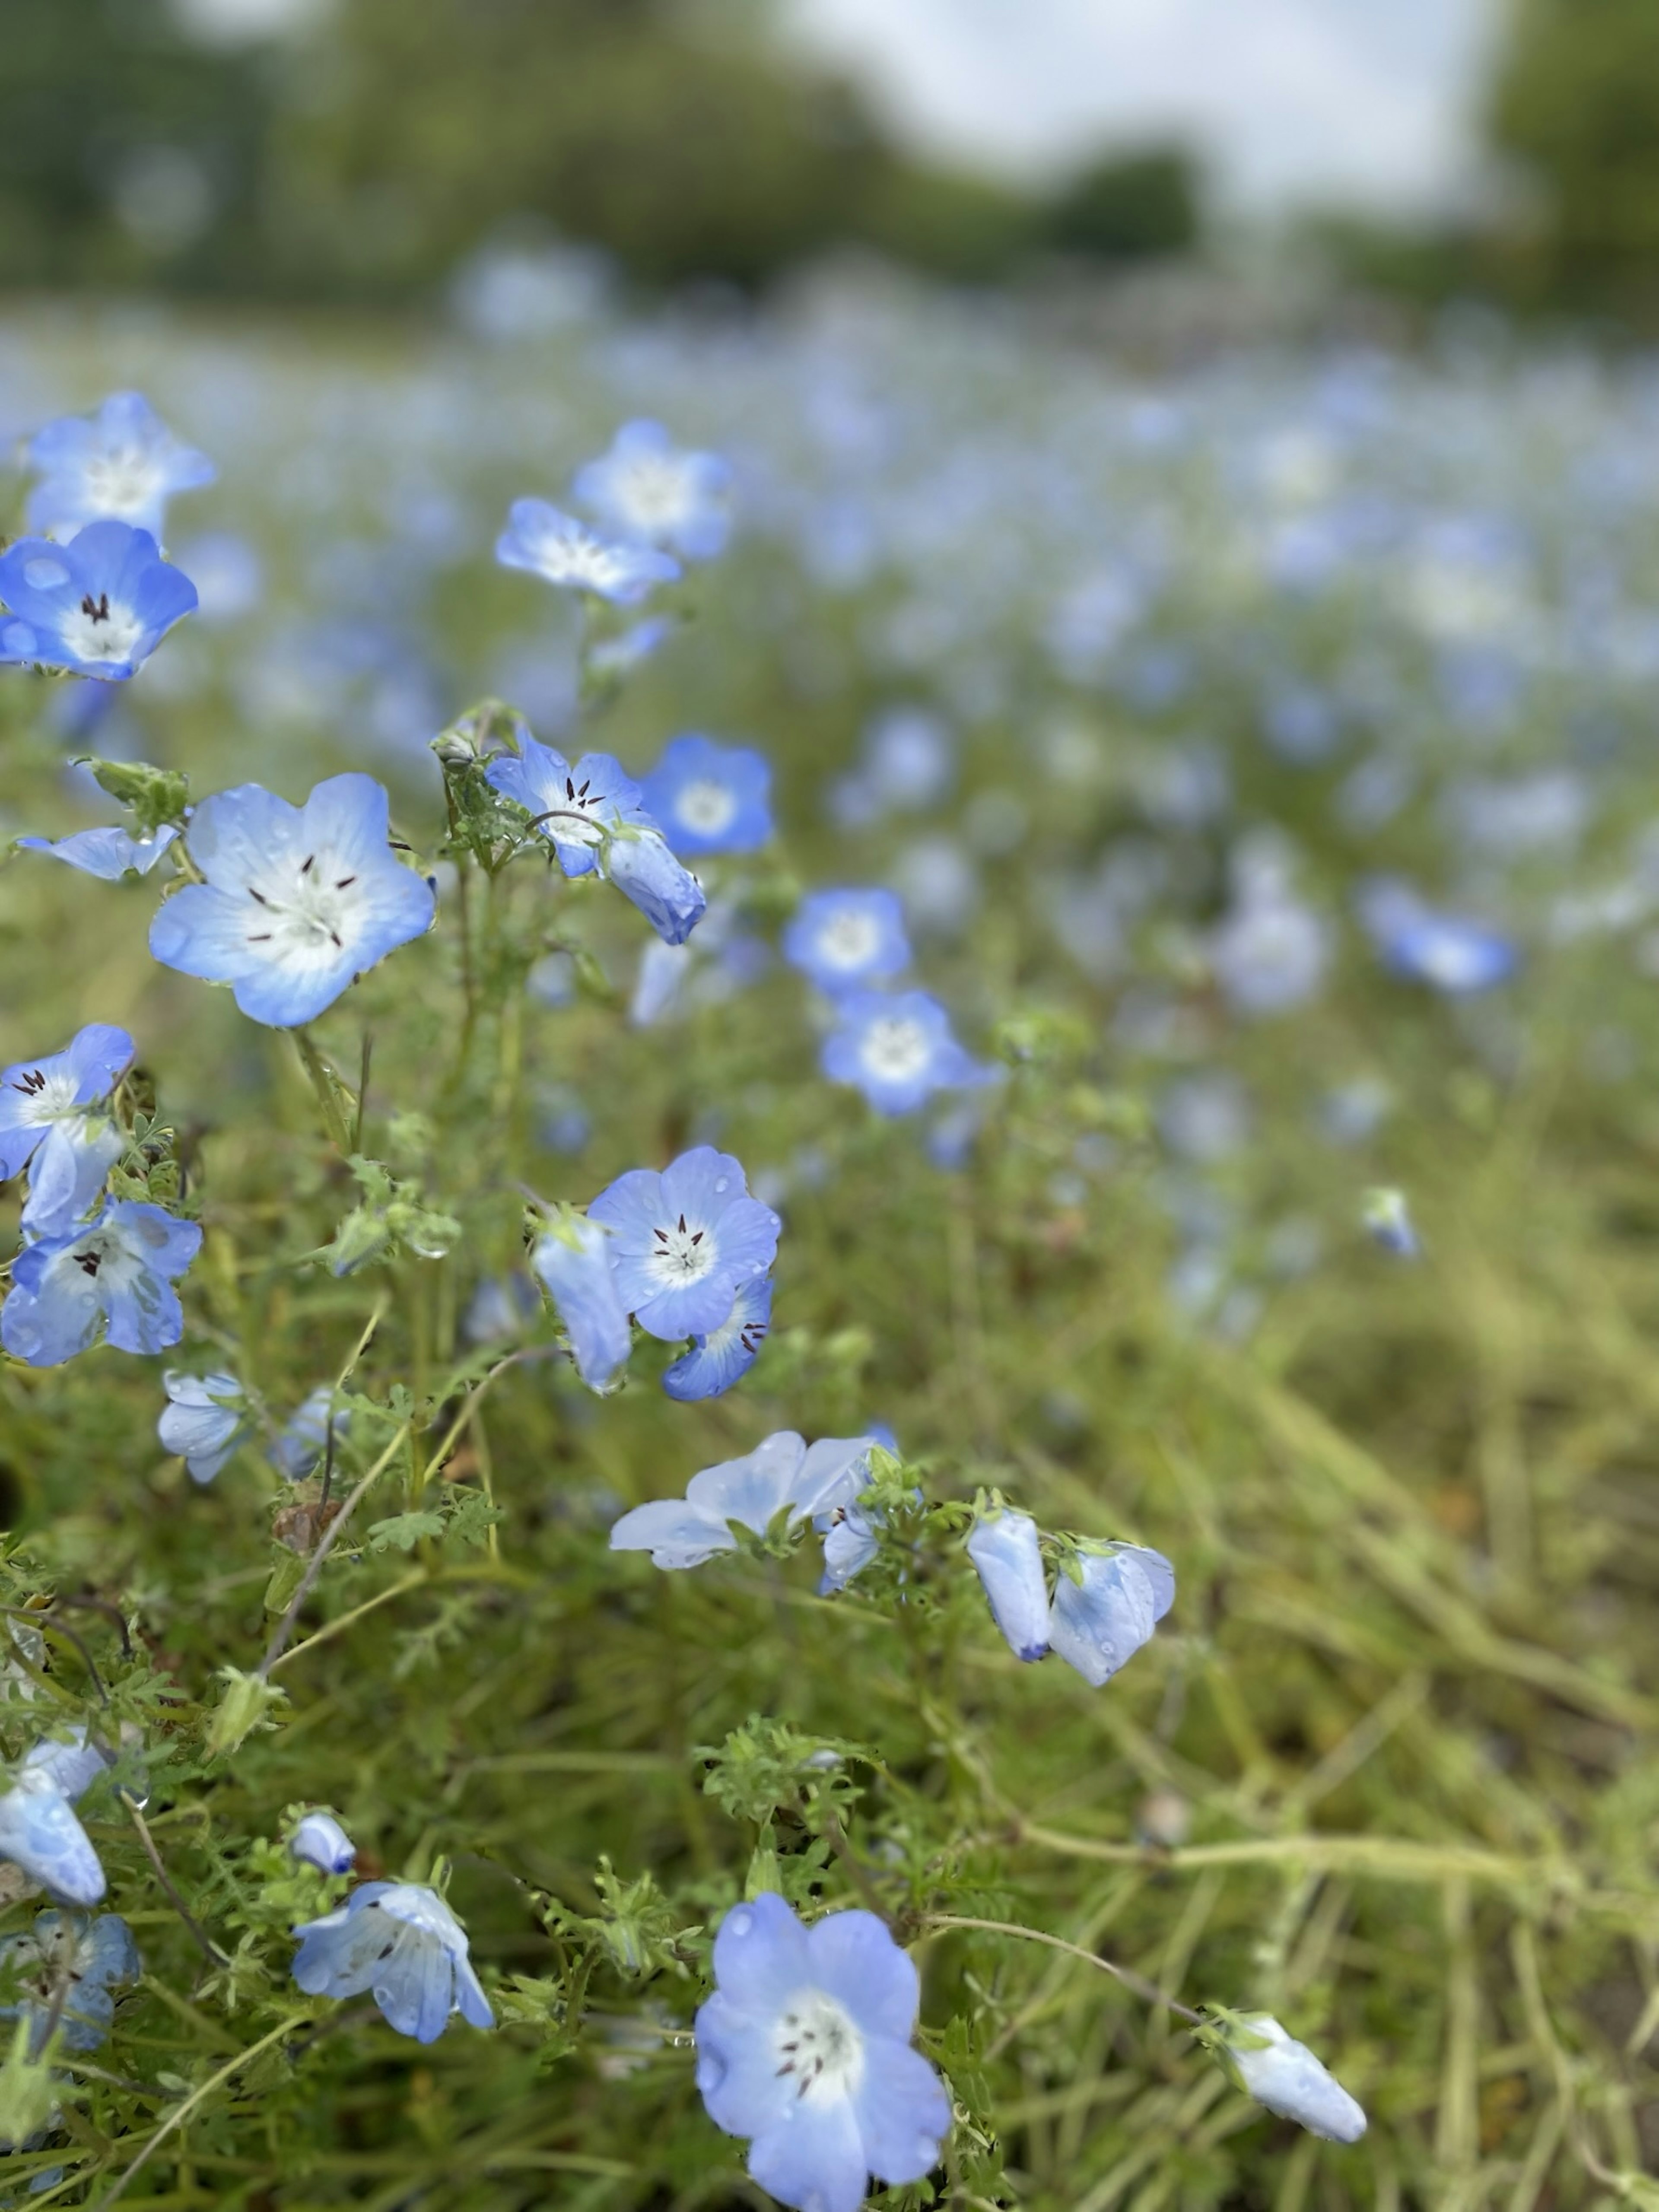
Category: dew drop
[44,574]
[722,1183]
[741,1922]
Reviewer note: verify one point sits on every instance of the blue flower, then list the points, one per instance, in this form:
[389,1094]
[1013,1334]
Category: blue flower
[682,1243]
[710,799]
[576,808]
[72,1763]
[1282,2074]
[1387,1218]
[98,606]
[92,1956]
[304,1441]
[401,1942]
[40,1833]
[720,1357]
[124,463]
[558,547]
[1098,1625]
[298,900]
[897,1048]
[646,872]
[845,939]
[42,1109]
[1448,952]
[573,1259]
[1007,1557]
[112,1278]
[108,854]
[645,489]
[319,1840]
[851,1540]
[782,1471]
[805,2049]
[204,1421]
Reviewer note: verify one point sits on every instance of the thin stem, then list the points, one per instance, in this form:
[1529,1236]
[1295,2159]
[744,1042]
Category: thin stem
[1131,1980]
[325,1544]
[44,1620]
[205,1942]
[345,1621]
[181,2113]
[327,1088]
[857,1873]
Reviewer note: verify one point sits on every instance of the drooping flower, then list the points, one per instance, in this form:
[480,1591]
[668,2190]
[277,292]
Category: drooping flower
[71,1762]
[1007,1557]
[557,547]
[123,463]
[400,1941]
[682,1243]
[805,2048]
[646,488]
[98,606]
[1098,1625]
[897,1048]
[319,1840]
[204,1420]
[575,808]
[108,854]
[723,1356]
[299,900]
[710,799]
[846,940]
[93,1957]
[40,1832]
[573,1259]
[1387,1221]
[1270,2066]
[112,1278]
[665,892]
[782,1471]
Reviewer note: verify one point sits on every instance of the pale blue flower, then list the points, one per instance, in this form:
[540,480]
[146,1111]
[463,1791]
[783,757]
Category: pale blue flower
[805,2048]
[782,1471]
[112,1278]
[724,1355]
[646,489]
[1270,2066]
[1007,1556]
[1098,1625]
[109,854]
[1448,952]
[71,1762]
[1387,1219]
[682,1243]
[558,548]
[299,900]
[40,1833]
[897,1049]
[319,1840]
[124,462]
[400,1942]
[844,940]
[39,1095]
[303,1444]
[576,809]
[706,798]
[94,1957]
[68,1174]
[665,892]
[204,1420]
[98,606]
[573,1259]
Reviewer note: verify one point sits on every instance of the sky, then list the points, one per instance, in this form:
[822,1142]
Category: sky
[1366,103]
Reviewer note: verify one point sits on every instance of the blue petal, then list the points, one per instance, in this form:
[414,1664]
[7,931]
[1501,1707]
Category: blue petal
[1005,1551]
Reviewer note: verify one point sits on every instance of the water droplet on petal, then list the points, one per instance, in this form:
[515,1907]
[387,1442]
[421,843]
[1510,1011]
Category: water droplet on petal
[741,1922]
[722,1183]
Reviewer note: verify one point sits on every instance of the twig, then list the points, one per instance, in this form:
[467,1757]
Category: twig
[345,1621]
[1131,1980]
[325,1544]
[97,1605]
[208,1946]
[44,1620]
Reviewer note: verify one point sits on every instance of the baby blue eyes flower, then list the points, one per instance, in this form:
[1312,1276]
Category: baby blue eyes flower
[897,1048]
[1387,1219]
[124,463]
[107,853]
[304,1442]
[1007,1557]
[114,1277]
[575,808]
[805,2048]
[645,489]
[204,1420]
[1270,2066]
[845,939]
[684,1242]
[40,1832]
[299,900]
[94,1957]
[710,799]
[573,1259]
[670,897]
[98,606]
[70,1763]
[1450,954]
[1098,1626]
[724,1355]
[400,1941]
[782,1471]
[41,1098]
[319,1840]
[557,547]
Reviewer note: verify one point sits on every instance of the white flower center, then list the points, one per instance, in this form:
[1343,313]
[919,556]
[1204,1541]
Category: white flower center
[121,482]
[46,1098]
[818,2047]
[740,1325]
[849,938]
[682,1255]
[651,493]
[306,917]
[894,1050]
[579,814]
[96,630]
[706,806]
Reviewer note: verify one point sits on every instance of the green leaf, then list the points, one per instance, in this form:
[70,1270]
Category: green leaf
[155,795]
[404,1531]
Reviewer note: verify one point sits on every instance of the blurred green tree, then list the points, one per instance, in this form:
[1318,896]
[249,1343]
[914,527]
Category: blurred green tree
[1130,207]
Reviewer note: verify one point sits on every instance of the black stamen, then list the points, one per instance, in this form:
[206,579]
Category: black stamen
[259,896]
[343,882]
[307,864]
[261,937]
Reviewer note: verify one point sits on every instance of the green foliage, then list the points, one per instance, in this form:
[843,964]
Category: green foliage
[1130,207]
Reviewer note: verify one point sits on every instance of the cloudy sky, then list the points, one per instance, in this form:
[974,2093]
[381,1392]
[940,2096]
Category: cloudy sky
[1364,101]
